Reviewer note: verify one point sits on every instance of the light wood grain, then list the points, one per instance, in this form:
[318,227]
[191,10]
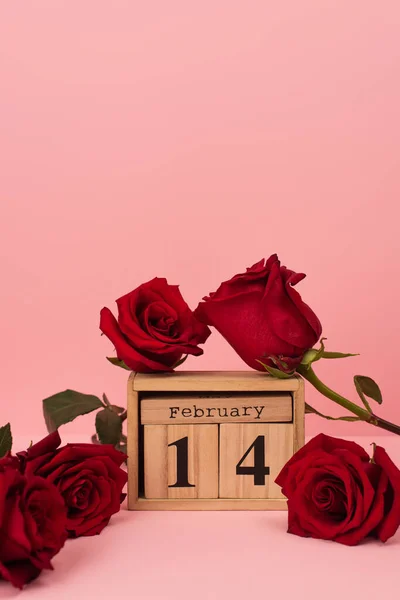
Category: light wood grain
[160,461]
[218,504]
[299,417]
[133,443]
[216,408]
[235,440]
[156,461]
[216,381]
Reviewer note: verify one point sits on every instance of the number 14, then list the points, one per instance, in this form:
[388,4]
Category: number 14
[258,470]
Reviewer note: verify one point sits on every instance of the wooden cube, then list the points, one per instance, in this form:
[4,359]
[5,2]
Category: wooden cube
[181,461]
[251,456]
[211,440]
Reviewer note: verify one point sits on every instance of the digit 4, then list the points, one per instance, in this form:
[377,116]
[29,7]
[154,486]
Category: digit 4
[259,470]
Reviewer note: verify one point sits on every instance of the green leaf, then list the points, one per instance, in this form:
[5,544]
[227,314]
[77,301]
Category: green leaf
[117,409]
[366,386]
[279,363]
[108,427]
[336,355]
[276,372]
[106,400]
[180,362]
[66,406]
[118,363]
[312,355]
[311,410]
[5,440]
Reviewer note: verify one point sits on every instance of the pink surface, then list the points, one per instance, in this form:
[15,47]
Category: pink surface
[188,140]
[217,555]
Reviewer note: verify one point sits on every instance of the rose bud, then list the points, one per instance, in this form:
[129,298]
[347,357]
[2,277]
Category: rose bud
[88,477]
[336,492]
[32,524]
[155,327]
[261,316]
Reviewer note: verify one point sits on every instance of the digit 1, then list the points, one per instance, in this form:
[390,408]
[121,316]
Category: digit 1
[182,467]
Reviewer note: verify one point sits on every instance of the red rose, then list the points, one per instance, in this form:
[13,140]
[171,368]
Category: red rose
[9,461]
[261,315]
[155,327]
[32,524]
[336,492]
[88,477]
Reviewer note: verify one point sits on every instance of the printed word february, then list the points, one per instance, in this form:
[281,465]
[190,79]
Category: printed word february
[200,412]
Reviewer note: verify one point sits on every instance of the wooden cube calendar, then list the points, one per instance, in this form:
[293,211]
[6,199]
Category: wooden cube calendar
[200,440]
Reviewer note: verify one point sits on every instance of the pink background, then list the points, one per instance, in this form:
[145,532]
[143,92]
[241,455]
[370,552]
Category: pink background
[189,140]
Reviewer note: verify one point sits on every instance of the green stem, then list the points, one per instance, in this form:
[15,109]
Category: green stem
[363,414]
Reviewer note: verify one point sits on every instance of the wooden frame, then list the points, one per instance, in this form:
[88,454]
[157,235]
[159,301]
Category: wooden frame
[204,381]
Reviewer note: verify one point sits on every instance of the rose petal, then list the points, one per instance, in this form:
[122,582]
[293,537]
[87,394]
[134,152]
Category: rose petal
[132,357]
[376,513]
[324,463]
[391,522]
[19,573]
[159,292]
[94,528]
[321,523]
[48,444]
[251,314]
[323,442]
[289,321]
[290,279]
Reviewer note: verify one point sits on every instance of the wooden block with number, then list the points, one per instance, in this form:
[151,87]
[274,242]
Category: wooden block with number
[211,440]
[251,456]
[181,461]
